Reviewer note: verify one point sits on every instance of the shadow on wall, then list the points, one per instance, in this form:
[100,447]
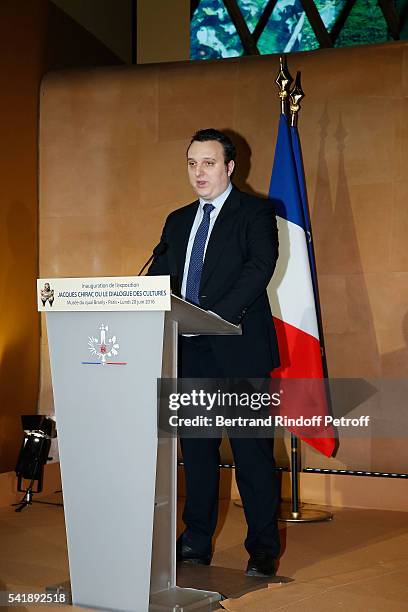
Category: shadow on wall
[349,325]
[397,361]
[243,163]
[350,340]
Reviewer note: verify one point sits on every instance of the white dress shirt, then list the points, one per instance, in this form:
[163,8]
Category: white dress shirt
[218,204]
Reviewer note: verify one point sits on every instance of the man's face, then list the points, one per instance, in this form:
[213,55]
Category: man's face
[209,175]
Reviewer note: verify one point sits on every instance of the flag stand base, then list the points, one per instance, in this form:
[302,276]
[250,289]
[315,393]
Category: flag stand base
[305,514]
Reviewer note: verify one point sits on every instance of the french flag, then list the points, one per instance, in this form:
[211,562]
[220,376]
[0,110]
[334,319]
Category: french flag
[293,293]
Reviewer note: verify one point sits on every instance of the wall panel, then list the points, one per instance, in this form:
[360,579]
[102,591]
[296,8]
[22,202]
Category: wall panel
[112,167]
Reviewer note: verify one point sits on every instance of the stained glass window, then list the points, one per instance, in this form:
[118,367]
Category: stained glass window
[212,33]
[365,24]
[288,29]
[329,11]
[252,10]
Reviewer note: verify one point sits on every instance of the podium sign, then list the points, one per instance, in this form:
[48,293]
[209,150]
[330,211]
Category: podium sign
[119,483]
[110,293]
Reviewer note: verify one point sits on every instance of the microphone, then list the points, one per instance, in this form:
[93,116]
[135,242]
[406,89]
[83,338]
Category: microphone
[157,251]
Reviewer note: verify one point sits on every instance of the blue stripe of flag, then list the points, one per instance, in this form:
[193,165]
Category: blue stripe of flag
[284,188]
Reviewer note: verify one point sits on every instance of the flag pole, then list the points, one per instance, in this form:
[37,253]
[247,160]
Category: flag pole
[296,95]
[284,80]
[295,512]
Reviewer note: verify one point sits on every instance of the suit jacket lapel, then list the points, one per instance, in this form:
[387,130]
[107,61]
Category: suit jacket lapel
[220,230]
[183,234]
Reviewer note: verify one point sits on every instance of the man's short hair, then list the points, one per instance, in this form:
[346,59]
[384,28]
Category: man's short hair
[213,134]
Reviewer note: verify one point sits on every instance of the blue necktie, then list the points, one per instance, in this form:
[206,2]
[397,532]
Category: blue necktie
[195,267]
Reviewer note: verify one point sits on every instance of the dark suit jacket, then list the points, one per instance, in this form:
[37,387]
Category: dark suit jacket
[239,263]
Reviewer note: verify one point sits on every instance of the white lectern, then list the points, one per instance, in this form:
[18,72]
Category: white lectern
[118,478]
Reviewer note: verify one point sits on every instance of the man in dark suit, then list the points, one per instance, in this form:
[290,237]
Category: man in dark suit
[220,252]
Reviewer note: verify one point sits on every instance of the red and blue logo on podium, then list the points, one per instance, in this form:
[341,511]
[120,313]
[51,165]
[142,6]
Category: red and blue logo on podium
[104,349]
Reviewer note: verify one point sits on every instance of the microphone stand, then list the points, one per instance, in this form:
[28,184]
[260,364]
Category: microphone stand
[146,264]
[158,250]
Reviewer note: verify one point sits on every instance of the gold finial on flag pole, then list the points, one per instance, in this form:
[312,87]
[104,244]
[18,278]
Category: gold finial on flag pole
[296,95]
[283,81]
